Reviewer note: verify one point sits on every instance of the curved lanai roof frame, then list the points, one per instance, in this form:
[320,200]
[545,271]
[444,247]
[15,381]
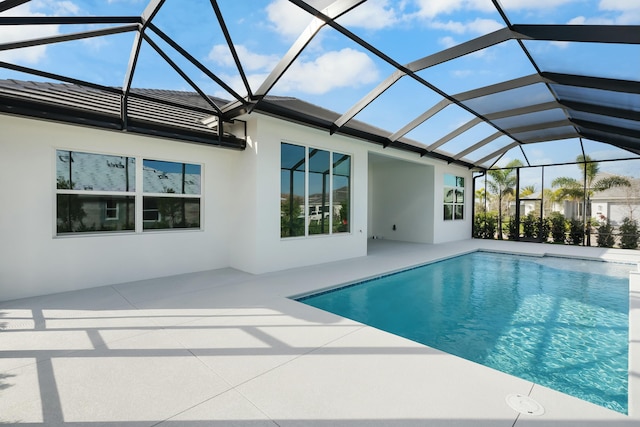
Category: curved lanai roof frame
[545,79]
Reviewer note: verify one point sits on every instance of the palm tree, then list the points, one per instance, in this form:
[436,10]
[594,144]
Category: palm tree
[572,189]
[527,190]
[481,195]
[502,183]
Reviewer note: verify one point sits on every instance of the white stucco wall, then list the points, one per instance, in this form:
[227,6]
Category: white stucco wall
[241,207]
[34,262]
[402,195]
[448,231]
[270,252]
[408,190]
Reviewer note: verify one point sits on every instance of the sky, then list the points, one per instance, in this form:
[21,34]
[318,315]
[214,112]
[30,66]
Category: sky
[333,71]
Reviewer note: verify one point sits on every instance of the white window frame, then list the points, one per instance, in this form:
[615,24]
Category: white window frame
[138,194]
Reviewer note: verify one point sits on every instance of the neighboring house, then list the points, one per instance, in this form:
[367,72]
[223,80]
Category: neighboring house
[617,203]
[613,204]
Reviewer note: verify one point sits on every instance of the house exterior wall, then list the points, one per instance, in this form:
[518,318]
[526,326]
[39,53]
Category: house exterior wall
[241,193]
[265,250]
[35,262]
[448,231]
[403,197]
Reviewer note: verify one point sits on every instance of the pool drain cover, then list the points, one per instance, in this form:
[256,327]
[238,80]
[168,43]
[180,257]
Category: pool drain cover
[524,404]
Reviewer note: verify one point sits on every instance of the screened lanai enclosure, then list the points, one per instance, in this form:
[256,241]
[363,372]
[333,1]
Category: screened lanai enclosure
[541,99]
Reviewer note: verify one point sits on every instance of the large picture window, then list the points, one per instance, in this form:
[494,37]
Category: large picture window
[315,191]
[453,197]
[98,193]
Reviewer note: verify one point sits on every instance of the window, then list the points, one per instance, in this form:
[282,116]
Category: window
[111,209]
[171,195]
[94,192]
[453,197]
[98,193]
[315,191]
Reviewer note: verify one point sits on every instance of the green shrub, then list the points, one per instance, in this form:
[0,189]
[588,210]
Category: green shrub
[478,226]
[605,235]
[576,232]
[491,226]
[544,229]
[629,234]
[558,227]
[513,229]
[529,226]
[484,225]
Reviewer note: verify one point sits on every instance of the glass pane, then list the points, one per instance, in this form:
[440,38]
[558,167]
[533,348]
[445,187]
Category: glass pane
[459,196]
[90,213]
[608,60]
[448,212]
[490,147]
[485,67]
[601,151]
[554,115]
[319,168]
[459,212]
[553,152]
[459,181]
[466,139]
[341,193]
[449,180]
[606,98]
[545,134]
[292,170]
[171,177]
[94,172]
[607,120]
[511,99]
[448,195]
[161,213]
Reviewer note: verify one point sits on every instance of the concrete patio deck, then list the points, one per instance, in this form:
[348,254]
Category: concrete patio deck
[226,348]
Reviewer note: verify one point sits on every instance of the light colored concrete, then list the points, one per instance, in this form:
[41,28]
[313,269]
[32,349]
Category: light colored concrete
[226,348]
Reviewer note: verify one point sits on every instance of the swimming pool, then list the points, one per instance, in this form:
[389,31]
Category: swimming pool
[559,322]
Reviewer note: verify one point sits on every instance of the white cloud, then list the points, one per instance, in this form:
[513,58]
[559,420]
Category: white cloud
[453,26]
[250,61]
[332,70]
[534,4]
[63,8]
[477,26]
[619,5]
[447,41]
[329,71]
[629,10]
[371,15]
[289,20]
[432,8]
[31,55]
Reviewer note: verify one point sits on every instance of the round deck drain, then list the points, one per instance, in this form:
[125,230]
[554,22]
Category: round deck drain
[524,404]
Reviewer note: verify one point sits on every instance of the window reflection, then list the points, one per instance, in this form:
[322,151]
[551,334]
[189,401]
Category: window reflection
[453,197]
[341,192]
[319,168]
[326,205]
[292,173]
[94,172]
[78,213]
[170,212]
[171,177]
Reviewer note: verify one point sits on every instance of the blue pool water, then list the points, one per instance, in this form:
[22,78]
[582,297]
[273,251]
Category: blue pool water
[559,322]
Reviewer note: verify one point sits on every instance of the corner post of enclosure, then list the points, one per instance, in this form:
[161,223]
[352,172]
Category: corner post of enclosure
[634,344]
